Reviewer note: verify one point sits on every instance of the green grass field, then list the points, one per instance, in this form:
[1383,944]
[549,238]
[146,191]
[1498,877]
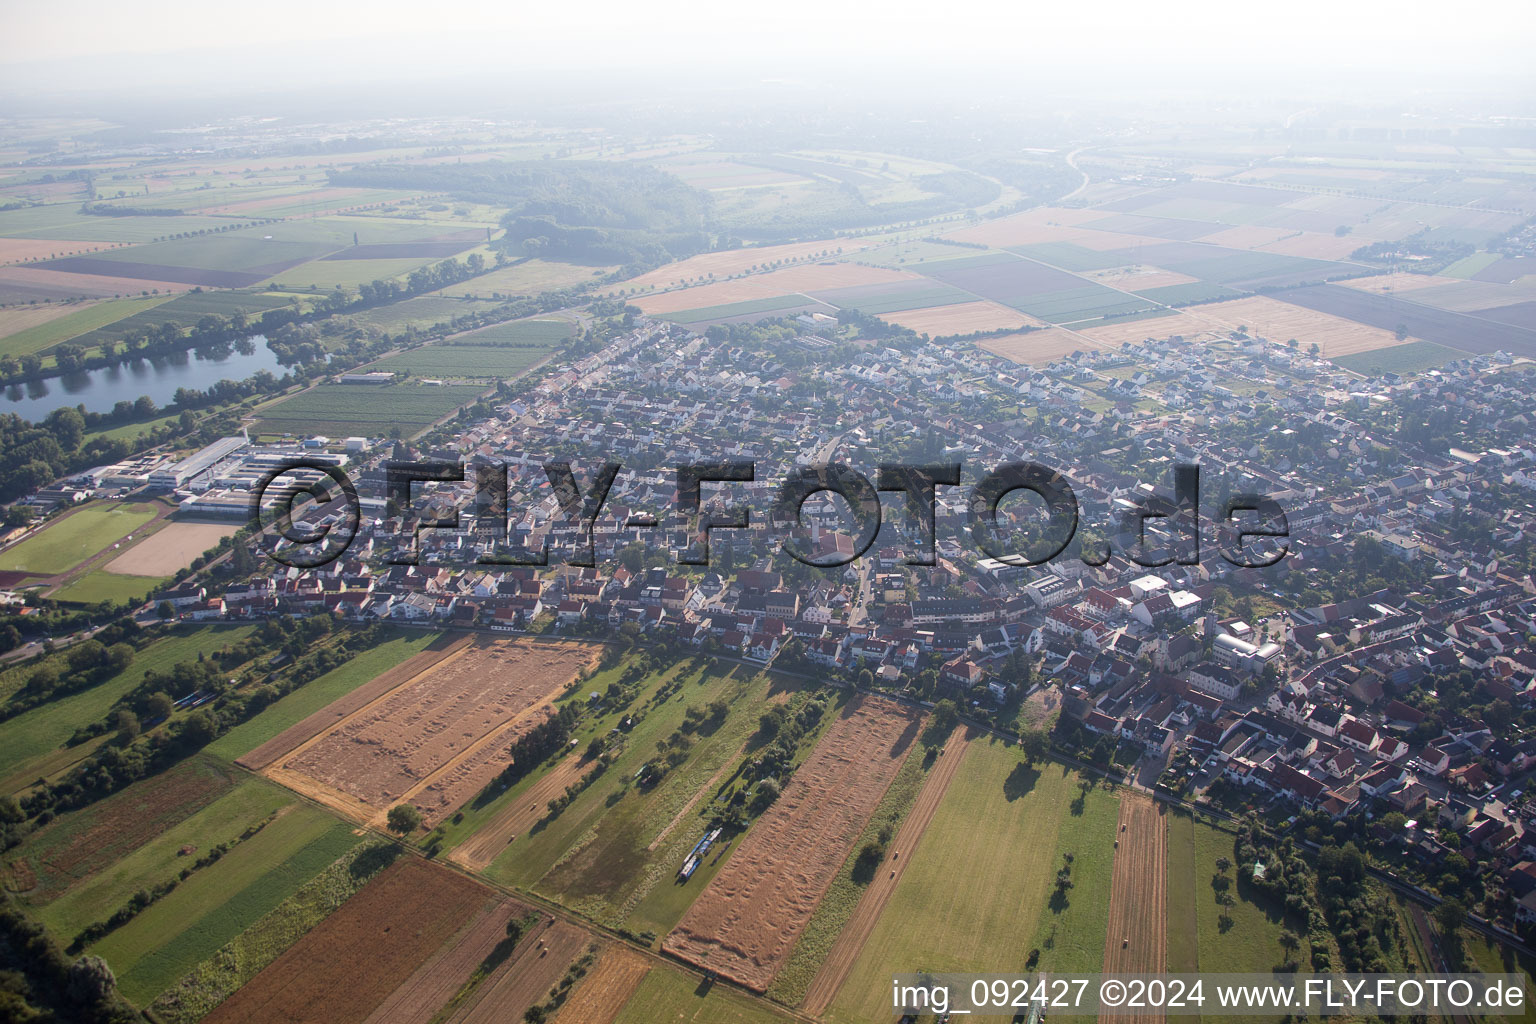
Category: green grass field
[242,250]
[243,956]
[1183,920]
[1467,266]
[36,734]
[522,332]
[1068,256]
[897,301]
[366,410]
[65,222]
[1189,294]
[528,278]
[68,541]
[1253,941]
[421,312]
[780,303]
[1410,357]
[316,694]
[95,898]
[219,902]
[73,325]
[677,998]
[101,585]
[1001,831]
[327,274]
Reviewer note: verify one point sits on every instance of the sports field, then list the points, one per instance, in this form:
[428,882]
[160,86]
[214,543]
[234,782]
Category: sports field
[71,539]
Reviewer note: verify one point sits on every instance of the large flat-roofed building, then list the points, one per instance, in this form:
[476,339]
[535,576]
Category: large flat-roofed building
[179,474]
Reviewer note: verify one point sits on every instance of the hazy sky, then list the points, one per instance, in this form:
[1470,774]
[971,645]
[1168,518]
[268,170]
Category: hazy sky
[295,42]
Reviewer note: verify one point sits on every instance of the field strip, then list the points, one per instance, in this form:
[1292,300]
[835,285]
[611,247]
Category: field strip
[1137,939]
[426,991]
[861,925]
[300,735]
[344,804]
[714,780]
[525,979]
[606,990]
[478,746]
[477,852]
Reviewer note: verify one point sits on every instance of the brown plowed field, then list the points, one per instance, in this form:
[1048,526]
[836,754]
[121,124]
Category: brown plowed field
[747,920]
[428,990]
[477,852]
[442,735]
[850,941]
[337,711]
[1138,897]
[604,991]
[172,548]
[525,979]
[348,964]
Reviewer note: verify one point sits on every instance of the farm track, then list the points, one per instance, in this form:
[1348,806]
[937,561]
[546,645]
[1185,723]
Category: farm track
[861,925]
[428,990]
[477,852]
[1137,939]
[522,981]
[606,989]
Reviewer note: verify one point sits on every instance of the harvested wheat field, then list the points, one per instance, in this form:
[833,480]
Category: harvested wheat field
[745,923]
[440,737]
[15,250]
[1281,321]
[604,991]
[428,990]
[1137,940]
[1253,236]
[1398,282]
[1036,348]
[1138,278]
[1113,335]
[338,711]
[789,281]
[353,960]
[520,815]
[538,964]
[735,261]
[960,318]
[15,319]
[850,941]
[62,282]
[174,547]
[1313,245]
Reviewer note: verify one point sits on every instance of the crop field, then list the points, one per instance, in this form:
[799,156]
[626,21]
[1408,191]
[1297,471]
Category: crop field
[439,738]
[1139,279]
[526,979]
[911,252]
[39,283]
[170,548]
[1282,320]
[736,261]
[455,360]
[437,247]
[1067,256]
[1034,288]
[250,251]
[419,997]
[1037,348]
[64,221]
[844,952]
[1410,357]
[893,297]
[75,537]
[980,842]
[1137,939]
[78,845]
[248,803]
[1252,942]
[28,329]
[603,992]
[184,309]
[20,250]
[217,903]
[1426,323]
[1189,294]
[678,998]
[622,870]
[756,309]
[961,318]
[327,274]
[530,277]
[32,738]
[421,312]
[330,699]
[365,410]
[745,923]
[349,963]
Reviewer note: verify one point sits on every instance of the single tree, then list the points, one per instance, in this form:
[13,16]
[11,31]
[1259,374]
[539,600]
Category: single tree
[403,819]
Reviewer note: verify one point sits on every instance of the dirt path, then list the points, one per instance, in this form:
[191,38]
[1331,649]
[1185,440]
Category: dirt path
[599,998]
[515,819]
[850,941]
[1137,941]
[525,979]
